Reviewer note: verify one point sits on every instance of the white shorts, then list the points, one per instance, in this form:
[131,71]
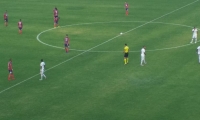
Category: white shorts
[42,71]
[142,57]
[194,36]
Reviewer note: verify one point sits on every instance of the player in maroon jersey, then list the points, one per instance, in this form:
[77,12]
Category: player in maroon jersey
[20,26]
[56,18]
[6,18]
[55,12]
[10,70]
[126,8]
[66,42]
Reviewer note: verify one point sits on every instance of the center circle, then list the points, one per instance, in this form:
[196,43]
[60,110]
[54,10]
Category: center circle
[174,47]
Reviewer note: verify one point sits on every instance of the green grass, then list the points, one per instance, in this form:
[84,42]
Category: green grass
[96,85]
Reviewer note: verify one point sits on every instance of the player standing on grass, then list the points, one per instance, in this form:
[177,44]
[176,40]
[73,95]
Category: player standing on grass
[20,26]
[194,35]
[126,8]
[6,18]
[126,50]
[10,70]
[66,42]
[198,52]
[143,53]
[56,18]
[42,66]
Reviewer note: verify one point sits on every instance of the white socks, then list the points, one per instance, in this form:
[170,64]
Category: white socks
[42,75]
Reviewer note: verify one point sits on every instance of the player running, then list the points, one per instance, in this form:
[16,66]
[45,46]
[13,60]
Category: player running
[66,42]
[20,26]
[10,70]
[6,18]
[126,8]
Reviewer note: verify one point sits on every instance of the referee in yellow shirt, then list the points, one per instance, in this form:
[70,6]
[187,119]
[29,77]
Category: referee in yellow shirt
[126,50]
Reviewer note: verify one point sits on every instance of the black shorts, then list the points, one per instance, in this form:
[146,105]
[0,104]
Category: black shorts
[126,55]
[10,71]
[126,9]
[6,20]
[55,16]
[20,28]
[66,45]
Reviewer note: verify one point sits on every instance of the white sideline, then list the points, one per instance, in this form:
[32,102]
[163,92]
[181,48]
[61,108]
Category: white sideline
[96,46]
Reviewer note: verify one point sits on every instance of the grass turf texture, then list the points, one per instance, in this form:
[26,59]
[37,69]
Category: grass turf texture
[97,85]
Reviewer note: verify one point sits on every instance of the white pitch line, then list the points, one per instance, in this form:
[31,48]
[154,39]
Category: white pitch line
[116,22]
[160,17]
[94,47]
[146,50]
[171,47]
[18,83]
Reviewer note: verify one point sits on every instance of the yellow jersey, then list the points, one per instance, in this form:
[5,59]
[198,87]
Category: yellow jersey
[126,49]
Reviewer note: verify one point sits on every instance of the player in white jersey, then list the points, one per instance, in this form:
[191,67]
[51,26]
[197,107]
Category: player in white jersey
[194,35]
[143,56]
[198,52]
[42,66]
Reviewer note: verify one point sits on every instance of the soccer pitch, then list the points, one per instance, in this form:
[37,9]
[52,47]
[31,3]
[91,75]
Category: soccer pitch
[91,82]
